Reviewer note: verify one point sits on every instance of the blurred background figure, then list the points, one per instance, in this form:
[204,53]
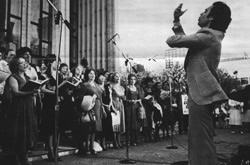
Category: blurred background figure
[246,116]
[235,119]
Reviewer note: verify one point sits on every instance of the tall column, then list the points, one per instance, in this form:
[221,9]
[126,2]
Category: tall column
[110,32]
[103,35]
[97,26]
[25,23]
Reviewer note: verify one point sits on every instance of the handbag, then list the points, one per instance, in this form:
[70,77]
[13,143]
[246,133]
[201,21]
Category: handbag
[141,113]
[97,147]
[88,117]
[88,102]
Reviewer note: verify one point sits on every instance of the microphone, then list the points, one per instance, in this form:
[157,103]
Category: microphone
[70,27]
[57,17]
[112,38]
[114,42]
[134,69]
[126,62]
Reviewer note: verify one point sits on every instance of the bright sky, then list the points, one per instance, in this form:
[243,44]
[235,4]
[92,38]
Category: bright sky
[144,25]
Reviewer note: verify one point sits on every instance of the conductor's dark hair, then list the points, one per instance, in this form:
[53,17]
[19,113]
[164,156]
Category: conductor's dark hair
[221,14]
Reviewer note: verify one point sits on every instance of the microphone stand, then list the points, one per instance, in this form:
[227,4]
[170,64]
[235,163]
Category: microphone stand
[172,120]
[127,60]
[58,18]
[128,160]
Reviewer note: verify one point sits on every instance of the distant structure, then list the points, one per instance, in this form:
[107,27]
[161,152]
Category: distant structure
[32,24]
[241,64]
[172,54]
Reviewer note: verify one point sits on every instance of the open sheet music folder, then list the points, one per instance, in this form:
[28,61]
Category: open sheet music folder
[32,84]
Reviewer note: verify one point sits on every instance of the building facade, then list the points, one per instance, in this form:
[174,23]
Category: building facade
[32,23]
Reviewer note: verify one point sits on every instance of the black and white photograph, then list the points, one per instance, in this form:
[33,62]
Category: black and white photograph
[148,82]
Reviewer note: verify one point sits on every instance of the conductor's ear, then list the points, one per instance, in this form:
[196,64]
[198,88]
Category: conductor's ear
[211,18]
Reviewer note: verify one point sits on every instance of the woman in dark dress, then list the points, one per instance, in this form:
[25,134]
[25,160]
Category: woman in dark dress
[66,114]
[164,101]
[147,103]
[77,73]
[22,130]
[133,100]
[49,102]
[106,103]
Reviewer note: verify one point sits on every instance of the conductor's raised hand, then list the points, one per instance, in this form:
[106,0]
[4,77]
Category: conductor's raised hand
[178,12]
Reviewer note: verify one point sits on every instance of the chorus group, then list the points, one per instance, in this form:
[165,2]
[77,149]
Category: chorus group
[97,106]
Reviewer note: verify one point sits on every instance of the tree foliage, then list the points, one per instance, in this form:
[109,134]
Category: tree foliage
[176,74]
[227,81]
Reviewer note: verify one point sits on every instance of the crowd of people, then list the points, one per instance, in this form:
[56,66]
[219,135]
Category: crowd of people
[233,114]
[100,105]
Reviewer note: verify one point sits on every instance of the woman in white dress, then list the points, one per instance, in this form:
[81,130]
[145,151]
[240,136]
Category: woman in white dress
[235,120]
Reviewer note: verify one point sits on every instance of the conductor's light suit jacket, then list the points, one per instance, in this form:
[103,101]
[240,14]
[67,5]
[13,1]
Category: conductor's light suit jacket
[201,63]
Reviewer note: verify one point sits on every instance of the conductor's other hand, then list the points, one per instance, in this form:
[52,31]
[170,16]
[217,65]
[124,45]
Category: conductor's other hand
[178,13]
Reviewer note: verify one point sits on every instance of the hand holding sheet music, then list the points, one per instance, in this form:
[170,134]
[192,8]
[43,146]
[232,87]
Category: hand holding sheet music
[33,85]
[67,85]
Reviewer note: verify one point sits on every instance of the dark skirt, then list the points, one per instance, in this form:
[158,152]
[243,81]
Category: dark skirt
[21,125]
[47,127]
[66,114]
[84,128]
[107,125]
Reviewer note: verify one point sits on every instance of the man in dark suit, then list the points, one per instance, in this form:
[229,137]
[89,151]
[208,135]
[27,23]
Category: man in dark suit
[201,64]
